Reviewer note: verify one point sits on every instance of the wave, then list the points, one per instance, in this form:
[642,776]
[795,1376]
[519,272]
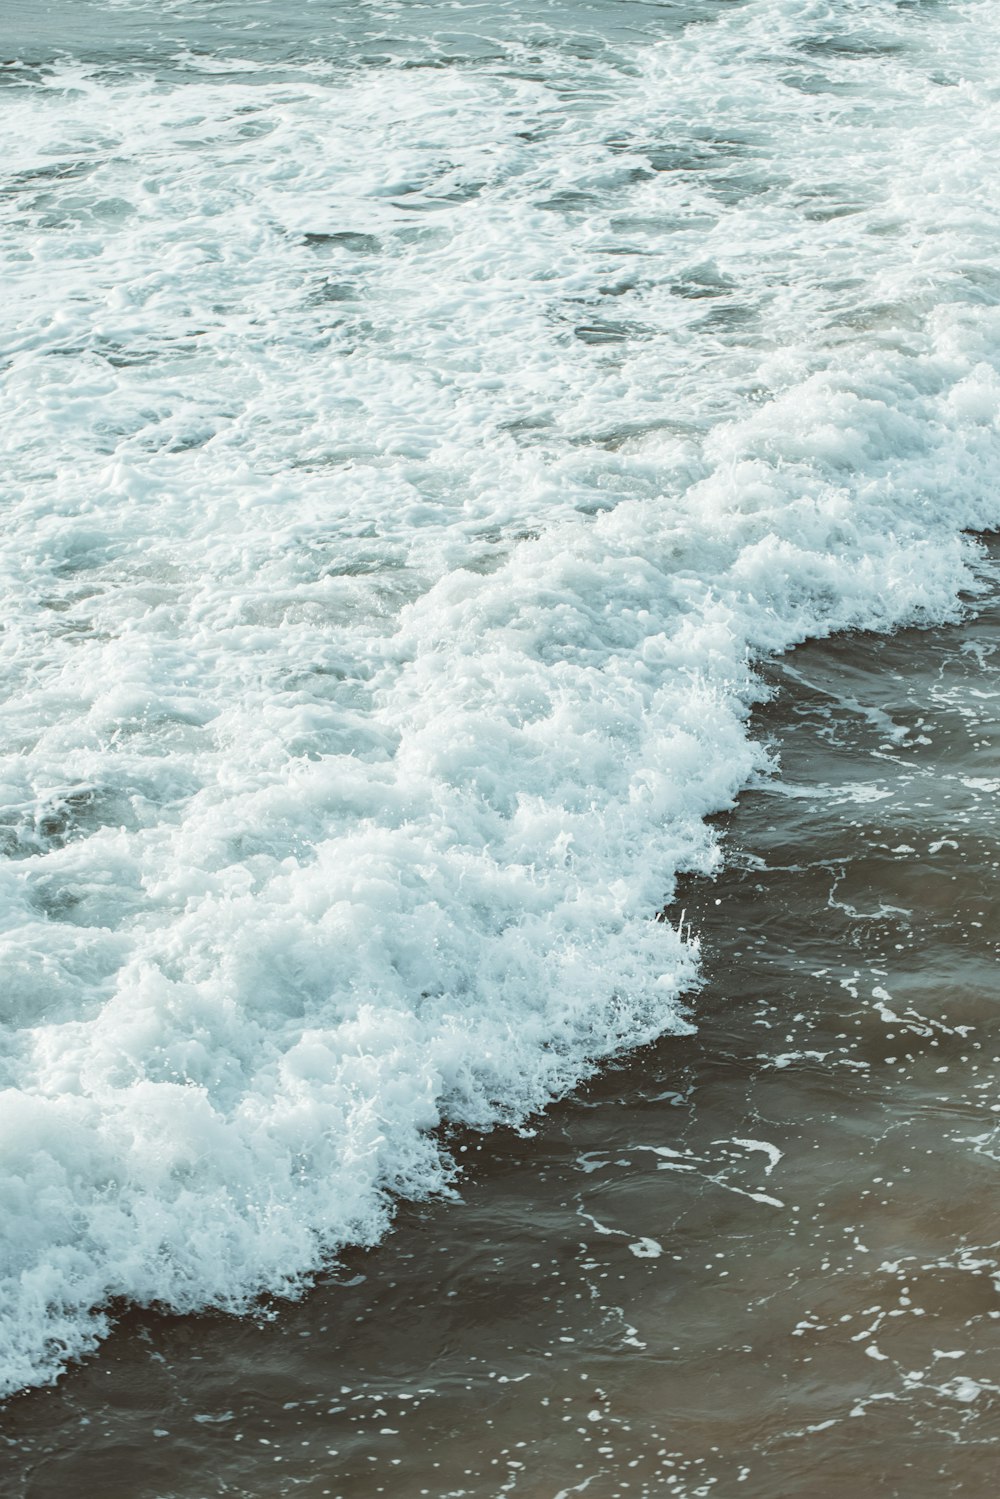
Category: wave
[406,475]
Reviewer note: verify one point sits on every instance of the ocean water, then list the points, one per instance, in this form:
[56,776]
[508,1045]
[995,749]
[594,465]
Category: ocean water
[421,423]
[759,1259]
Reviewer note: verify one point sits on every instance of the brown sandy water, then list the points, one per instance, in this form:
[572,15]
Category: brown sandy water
[762,1261]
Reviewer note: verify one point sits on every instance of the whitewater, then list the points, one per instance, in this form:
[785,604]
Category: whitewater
[414,432]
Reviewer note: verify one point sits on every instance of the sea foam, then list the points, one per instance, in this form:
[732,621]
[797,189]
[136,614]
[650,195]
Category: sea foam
[404,470]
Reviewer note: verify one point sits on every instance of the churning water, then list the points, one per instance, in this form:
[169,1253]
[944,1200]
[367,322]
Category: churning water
[419,422]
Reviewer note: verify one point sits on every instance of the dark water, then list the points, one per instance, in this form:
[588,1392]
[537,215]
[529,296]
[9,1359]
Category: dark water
[760,1261]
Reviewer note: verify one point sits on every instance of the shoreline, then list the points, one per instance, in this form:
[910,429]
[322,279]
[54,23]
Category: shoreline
[757,1256]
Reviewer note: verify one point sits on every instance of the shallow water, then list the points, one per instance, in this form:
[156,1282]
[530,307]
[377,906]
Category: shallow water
[760,1260]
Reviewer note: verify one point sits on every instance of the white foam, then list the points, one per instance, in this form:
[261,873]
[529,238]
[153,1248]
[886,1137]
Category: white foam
[774,1155]
[404,469]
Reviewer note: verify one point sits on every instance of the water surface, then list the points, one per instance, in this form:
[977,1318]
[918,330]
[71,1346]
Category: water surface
[423,424]
[760,1260]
